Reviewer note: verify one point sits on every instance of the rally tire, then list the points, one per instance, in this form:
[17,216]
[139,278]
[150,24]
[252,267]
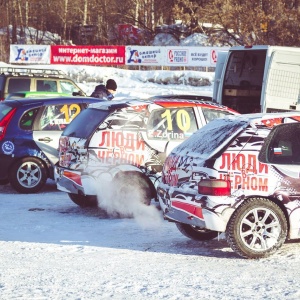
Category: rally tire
[131,182]
[84,201]
[196,233]
[28,175]
[257,229]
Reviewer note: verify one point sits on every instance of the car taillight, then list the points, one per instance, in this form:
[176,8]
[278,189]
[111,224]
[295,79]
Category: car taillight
[214,187]
[4,122]
[73,176]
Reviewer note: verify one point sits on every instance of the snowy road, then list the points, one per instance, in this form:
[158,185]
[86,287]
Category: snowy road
[51,249]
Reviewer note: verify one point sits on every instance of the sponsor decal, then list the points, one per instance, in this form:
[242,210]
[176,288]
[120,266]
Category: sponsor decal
[246,171]
[277,151]
[120,147]
[8,147]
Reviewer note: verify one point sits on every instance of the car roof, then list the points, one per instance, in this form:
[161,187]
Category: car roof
[38,101]
[37,94]
[188,103]
[258,117]
[184,96]
[22,71]
[167,103]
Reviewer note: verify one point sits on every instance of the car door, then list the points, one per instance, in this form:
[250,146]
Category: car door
[52,120]
[281,152]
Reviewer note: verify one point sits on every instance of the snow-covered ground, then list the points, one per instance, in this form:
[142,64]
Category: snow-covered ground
[52,249]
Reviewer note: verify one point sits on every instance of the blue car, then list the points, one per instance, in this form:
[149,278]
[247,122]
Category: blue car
[29,138]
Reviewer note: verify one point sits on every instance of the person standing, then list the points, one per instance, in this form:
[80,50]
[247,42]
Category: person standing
[105,91]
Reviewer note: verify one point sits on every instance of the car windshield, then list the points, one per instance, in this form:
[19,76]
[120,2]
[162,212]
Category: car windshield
[86,123]
[68,87]
[208,139]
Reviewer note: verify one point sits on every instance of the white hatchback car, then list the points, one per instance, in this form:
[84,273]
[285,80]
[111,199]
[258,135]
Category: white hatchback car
[123,144]
[213,182]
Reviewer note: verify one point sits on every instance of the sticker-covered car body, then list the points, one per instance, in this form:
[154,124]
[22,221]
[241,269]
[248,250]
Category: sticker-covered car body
[209,176]
[126,136]
[29,138]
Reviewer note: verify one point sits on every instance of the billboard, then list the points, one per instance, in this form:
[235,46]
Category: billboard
[88,55]
[176,56]
[29,54]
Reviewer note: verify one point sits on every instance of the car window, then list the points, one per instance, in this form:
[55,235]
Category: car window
[128,119]
[211,114]
[28,118]
[57,117]
[171,124]
[18,84]
[85,124]
[46,85]
[4,110]
[284,147]
[68,87]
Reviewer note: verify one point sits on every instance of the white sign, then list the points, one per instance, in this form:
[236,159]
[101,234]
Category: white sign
[144,55]
[29,54]
[193,56]
[173,56]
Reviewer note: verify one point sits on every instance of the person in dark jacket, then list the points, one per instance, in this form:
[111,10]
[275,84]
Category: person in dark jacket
[105,91]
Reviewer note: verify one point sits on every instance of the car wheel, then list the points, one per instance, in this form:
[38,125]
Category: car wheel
[28,175]
[133,185]
[257,228]
[84,201]
[196,233]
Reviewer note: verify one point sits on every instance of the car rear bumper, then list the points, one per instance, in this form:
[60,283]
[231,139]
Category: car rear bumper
[187,211]
[75,182]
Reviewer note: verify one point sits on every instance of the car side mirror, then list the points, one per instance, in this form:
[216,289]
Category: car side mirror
[79,93]
[282,145]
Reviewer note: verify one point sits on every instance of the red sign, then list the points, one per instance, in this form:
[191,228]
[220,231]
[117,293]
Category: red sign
[131,34]
[88,55]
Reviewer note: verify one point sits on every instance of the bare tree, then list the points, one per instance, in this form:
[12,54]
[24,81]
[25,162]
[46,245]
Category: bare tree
[253,22]
[96,21]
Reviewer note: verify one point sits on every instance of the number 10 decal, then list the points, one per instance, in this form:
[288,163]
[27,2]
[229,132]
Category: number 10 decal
[183,120]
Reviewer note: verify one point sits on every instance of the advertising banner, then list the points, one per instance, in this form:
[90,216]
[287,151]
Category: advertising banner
[192,56]
[29,54]
[88,55]
[176,56]
[145,55]
[173,56]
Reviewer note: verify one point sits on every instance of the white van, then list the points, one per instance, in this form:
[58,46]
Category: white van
[259,79]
